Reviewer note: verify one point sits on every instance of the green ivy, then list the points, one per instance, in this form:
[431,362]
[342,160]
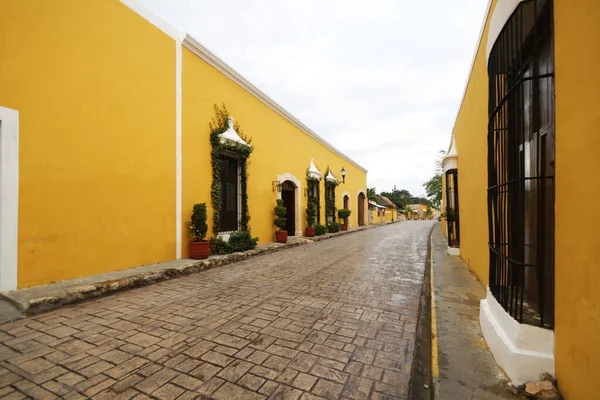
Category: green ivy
[312,206]
[218,125]
[329,199]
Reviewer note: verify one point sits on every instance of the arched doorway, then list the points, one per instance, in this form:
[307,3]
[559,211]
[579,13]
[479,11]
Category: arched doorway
[288,195]
[347,207]
[361,209]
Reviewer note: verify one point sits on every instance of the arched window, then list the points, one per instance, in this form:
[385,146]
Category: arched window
[521,165]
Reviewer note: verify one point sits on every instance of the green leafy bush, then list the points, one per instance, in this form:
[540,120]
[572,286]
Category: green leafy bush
[197,226]
[319,230]
[280,212]
[238,241]
[311,211]
[242,241]
[344,213]
[333,227]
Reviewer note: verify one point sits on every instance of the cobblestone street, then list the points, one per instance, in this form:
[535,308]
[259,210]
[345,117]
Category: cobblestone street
[333,319]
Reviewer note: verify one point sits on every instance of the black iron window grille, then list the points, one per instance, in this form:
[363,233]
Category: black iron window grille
[316,197]
[231,212]
[521,165]
[452,208]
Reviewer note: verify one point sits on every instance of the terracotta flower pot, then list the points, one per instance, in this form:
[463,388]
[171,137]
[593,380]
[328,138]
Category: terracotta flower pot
[310,232]
[199,250]
[344,227]
[281,236]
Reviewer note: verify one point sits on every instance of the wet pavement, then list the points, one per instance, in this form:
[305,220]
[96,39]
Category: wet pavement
[467,368]
[333,319]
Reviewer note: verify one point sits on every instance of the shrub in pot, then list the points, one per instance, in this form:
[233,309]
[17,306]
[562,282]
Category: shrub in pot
[344,213]
[280,222]
[310,218]
[333,227]
[320,230]
[199,248]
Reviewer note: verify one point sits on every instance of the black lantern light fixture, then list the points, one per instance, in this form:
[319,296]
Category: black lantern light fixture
[276,185]
[343,175]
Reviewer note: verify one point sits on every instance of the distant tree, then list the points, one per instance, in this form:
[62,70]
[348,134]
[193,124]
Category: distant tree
[433,187]
[371,193]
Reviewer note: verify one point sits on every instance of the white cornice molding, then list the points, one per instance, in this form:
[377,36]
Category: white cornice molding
[502,13]
[142,10]
[201,51]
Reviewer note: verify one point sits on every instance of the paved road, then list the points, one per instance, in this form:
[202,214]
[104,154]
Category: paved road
[333,319]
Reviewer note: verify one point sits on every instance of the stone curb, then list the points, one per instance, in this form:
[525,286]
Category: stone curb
[28,302]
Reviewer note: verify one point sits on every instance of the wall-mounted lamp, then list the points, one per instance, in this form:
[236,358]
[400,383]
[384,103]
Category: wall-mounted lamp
[276,185]
[343,175]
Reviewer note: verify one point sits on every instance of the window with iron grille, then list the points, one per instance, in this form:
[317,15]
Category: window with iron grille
[315,194]
[521,165]
[452,208]
[230,192]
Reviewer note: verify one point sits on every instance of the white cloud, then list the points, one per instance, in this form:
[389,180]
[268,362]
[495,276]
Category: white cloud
[380,80]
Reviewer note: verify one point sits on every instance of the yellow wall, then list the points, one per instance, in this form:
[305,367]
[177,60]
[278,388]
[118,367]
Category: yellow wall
[280,148]
[389,214]
[378,218]
[470,133]
[577,55]
[94,85]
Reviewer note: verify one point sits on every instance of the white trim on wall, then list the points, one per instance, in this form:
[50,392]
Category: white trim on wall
[178,151]
[298,214]
[9,197]
[502,12]
[349,206]
[197,48]
[154,19]
[523,351]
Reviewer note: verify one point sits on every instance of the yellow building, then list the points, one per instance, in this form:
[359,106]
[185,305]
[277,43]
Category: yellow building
[525,147]
[391,210]
[104,118]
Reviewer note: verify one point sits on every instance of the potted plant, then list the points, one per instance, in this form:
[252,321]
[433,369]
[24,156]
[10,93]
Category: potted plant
[310,219]
[280,222]
[199,248]
[344,213]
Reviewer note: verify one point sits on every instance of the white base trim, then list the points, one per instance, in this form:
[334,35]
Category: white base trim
[9,197]
[453,251]
[523,351]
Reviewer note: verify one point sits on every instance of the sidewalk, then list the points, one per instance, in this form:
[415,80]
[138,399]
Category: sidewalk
[467,369]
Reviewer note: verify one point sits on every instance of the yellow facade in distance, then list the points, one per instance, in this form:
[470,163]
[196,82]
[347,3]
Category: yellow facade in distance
[577,294]
[279,148]
[96,102]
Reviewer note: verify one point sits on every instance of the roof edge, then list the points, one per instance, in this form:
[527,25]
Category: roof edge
[204,53]
[481,30]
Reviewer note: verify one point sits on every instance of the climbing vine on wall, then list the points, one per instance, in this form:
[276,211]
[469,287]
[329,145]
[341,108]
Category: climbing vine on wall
[218,125]
[330,198]
[313,197]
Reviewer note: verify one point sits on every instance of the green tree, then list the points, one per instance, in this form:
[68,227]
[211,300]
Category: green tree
[371,193]
[433,187]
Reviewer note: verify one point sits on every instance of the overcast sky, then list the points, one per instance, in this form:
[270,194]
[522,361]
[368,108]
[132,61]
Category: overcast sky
[381,80]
